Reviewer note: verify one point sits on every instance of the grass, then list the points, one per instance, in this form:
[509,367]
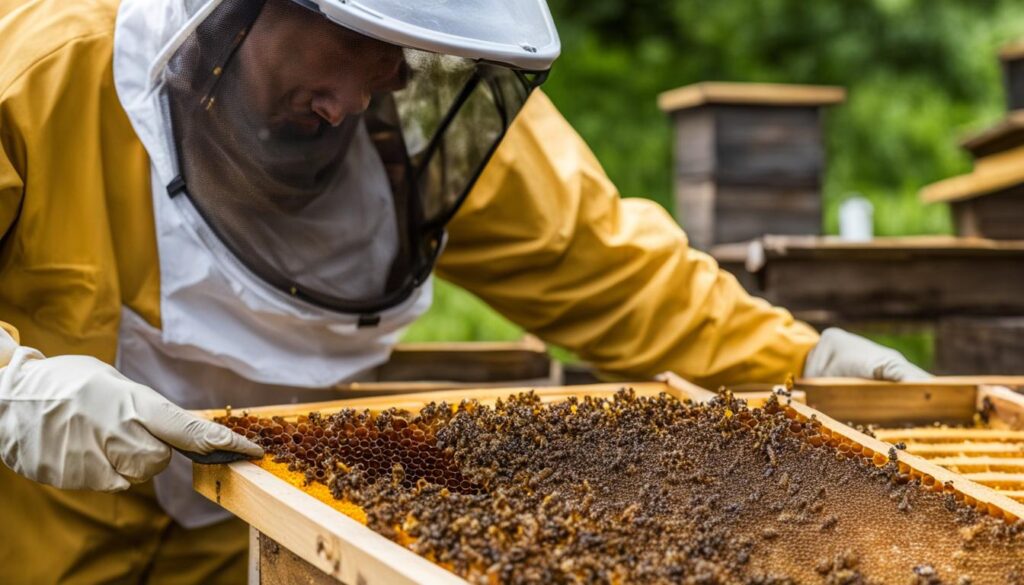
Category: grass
[457,315]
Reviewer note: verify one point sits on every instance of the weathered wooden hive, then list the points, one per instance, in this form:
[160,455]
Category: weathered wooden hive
[989,201]
[564,485]
[749,159]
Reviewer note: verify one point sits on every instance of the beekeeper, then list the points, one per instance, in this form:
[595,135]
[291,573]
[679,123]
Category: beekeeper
[210,202]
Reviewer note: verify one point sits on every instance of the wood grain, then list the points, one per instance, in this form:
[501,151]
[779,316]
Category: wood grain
[888,278]
[327,539]
[711,92]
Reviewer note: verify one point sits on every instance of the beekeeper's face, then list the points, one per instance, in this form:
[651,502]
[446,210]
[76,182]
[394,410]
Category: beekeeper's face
[305,72]
[301,141]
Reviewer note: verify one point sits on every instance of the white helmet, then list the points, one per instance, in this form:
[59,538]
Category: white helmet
[518,33]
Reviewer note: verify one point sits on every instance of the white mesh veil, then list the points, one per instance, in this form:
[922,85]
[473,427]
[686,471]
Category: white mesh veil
[348,216]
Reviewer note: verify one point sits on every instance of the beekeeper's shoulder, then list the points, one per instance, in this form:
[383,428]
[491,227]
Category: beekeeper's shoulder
[48,34]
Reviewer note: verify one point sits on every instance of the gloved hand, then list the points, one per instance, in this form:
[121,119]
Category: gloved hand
[75,422]
[840,354]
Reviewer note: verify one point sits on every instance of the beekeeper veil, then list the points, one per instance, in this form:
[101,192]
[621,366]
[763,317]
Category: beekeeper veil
[328,142]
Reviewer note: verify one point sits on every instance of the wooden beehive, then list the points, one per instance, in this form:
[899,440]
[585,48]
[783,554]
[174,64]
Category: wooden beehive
[980,345]
[1012,58]
[314,534]
[988,202]
[828,280]
[749,158]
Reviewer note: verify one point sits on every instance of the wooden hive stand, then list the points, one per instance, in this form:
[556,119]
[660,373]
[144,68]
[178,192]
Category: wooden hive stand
[968,291]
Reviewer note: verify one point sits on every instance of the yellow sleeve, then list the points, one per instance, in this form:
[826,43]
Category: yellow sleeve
[12,188]
[545,239]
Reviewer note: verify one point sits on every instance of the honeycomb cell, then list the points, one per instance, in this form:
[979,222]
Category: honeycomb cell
[645,490]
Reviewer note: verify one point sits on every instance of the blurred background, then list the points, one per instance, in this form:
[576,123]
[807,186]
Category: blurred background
[919,73]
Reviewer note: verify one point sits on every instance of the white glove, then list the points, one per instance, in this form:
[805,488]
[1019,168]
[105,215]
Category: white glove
[75,422]
[840,354]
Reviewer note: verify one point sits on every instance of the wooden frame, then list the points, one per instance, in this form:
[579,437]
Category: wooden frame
[349,552]
[954,400]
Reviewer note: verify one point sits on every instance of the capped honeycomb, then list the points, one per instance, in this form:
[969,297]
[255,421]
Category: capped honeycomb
[643,490]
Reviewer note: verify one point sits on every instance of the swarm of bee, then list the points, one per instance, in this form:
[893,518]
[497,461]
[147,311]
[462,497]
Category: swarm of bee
[643,490]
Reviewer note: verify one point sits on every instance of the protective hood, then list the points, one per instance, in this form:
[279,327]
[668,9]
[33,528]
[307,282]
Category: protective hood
[325,152]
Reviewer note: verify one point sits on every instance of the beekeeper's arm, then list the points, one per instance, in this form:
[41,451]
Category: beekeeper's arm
[74,421]
[545,239]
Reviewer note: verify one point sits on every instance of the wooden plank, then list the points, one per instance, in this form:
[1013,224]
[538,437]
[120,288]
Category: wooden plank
[986,449]
[694,143]
[1013,82]
[888,247]
[254,557]
[890,278]
[414,402]
[713,213]
[994,172]
[471,362]
[998,215]
[327,539]
[980,345]
[890,403]
[709,92]
[968,464]
[1002,407]
[997,479]
[280,566]
[947,434]
[765,146]
[695,210]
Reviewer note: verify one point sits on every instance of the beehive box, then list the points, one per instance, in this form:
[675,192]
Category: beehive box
[988,202]
[749,158]
[1012,58]
[343,549]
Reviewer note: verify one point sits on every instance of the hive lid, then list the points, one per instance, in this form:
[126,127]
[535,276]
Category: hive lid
[769,94]
[1008,133]
[1012,51]
[992,173]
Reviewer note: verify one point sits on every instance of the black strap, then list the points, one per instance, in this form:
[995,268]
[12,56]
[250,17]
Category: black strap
[369,321]
[176,186]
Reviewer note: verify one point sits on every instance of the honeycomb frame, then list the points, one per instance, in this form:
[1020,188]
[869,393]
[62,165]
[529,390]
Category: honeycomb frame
[881,453]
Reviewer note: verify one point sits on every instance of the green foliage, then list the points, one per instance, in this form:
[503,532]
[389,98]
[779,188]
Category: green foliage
[457,315]
[920,74]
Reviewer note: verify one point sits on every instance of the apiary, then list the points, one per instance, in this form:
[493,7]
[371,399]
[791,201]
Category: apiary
[749,158]
[605,484]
